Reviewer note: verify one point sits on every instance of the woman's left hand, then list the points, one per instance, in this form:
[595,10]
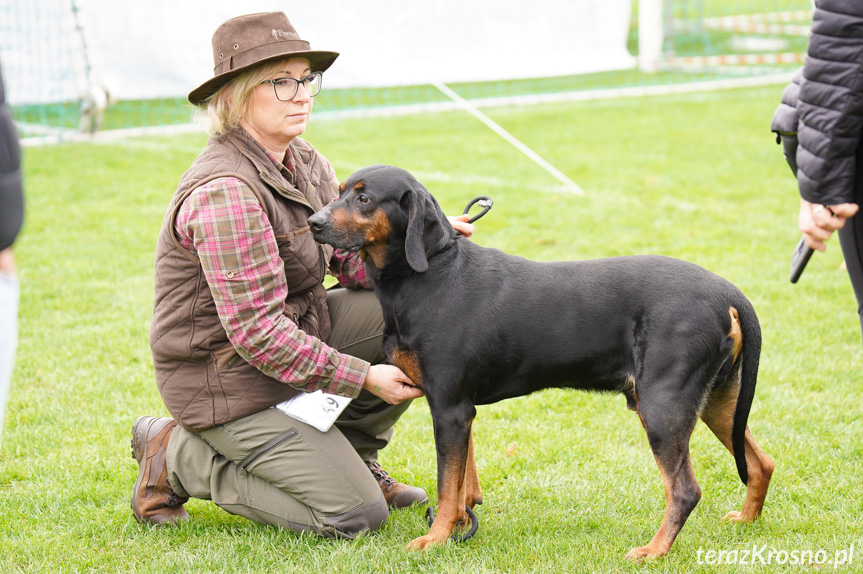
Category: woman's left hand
[461,225]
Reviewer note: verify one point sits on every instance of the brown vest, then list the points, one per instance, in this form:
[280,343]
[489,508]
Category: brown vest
[202,379]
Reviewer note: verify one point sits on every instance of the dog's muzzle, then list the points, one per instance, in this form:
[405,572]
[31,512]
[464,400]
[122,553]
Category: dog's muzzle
[324,231]
[318,222]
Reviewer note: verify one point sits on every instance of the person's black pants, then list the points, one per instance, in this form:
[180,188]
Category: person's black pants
[851,239]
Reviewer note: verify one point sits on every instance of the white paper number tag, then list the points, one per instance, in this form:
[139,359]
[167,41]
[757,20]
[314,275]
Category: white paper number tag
[317,409]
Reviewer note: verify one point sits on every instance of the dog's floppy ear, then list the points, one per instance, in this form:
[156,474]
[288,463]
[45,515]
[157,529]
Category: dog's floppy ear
[414,245]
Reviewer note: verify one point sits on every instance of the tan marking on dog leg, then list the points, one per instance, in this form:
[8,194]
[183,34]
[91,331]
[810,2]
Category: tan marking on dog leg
[450,507]
[719,417]
[674,480]
[757,483]
[736,334]
[472,491]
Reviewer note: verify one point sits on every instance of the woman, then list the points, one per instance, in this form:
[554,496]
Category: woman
[242,323]
[822,109]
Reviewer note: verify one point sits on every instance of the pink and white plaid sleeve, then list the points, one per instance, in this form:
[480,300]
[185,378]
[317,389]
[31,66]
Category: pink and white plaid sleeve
[350,270]
[223,225]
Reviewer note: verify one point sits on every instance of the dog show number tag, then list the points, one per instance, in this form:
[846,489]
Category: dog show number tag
[317,409]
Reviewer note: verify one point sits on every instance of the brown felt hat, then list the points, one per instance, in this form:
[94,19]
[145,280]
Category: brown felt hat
[243,42]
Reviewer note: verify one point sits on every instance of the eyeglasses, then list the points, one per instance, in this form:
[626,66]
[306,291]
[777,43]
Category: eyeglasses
[286,88]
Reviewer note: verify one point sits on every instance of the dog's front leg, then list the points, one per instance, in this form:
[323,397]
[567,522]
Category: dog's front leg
[452,429]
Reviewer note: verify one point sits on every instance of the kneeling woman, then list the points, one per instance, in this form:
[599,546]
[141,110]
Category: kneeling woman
[242,322]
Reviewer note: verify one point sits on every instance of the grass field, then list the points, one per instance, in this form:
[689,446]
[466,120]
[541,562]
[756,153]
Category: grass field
[569,482]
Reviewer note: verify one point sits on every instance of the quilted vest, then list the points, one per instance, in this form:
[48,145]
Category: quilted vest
[203,381]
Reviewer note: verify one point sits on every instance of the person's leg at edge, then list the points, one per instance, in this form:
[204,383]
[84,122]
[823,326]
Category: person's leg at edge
[9,292]
[851,239]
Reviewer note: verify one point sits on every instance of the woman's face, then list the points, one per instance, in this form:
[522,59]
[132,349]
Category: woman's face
[273,122]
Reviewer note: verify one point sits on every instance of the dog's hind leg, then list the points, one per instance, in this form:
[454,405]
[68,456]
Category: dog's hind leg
[719,416]
[669,427]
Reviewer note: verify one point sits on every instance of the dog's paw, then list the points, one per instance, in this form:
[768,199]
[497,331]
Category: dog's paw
[732,516]
[425,542]
[735,516]
[642,553]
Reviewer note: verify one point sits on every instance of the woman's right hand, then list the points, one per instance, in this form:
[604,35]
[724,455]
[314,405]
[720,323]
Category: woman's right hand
[391,384]
[818,222]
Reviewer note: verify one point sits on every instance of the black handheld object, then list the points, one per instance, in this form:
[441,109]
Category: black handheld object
[484,201]
[801,256]
[802,252]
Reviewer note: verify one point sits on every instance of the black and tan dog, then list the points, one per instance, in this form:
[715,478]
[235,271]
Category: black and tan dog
[472,325]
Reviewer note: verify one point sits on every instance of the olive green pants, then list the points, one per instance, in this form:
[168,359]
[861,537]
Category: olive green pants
[292,474]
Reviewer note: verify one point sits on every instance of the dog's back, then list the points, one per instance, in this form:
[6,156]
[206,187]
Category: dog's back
[580,324]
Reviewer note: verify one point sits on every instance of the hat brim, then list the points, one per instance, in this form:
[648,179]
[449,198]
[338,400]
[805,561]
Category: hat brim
[318,61]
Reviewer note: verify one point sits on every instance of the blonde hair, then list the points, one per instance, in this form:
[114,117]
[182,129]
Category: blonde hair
[221,113]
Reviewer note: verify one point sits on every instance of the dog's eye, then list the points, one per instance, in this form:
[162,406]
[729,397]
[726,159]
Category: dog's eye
[363,198]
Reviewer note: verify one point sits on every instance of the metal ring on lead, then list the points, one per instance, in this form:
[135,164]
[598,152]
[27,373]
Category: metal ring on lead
[484,201]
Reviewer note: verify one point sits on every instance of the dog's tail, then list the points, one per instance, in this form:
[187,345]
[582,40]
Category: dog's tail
[750,356]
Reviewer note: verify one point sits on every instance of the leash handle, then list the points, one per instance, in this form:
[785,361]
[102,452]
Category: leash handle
[801,256]
[484,201]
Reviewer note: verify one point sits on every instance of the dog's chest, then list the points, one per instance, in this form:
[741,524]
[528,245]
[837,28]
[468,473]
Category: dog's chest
[396,347]
[408,360]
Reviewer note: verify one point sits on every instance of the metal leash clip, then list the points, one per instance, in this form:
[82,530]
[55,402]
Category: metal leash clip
[484,201]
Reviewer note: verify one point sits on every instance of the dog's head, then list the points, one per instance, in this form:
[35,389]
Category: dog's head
[386,214]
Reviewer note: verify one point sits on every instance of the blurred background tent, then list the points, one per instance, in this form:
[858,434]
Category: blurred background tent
[65,58]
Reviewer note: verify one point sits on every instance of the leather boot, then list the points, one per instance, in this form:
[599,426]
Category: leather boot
[153,499]
[397,495]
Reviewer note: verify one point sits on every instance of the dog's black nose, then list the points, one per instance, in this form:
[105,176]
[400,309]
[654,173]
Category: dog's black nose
[317,222]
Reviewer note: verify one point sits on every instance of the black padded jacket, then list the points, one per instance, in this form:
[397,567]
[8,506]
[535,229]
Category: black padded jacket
[828,119]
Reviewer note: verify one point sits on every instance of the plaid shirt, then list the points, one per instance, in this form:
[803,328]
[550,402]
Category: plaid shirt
[223,225]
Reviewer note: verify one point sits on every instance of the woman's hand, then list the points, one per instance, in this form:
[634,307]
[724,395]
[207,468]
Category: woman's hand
[461,225]
[390,384]
[818,222]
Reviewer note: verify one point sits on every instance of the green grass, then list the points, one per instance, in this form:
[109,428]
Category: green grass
[569,481]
